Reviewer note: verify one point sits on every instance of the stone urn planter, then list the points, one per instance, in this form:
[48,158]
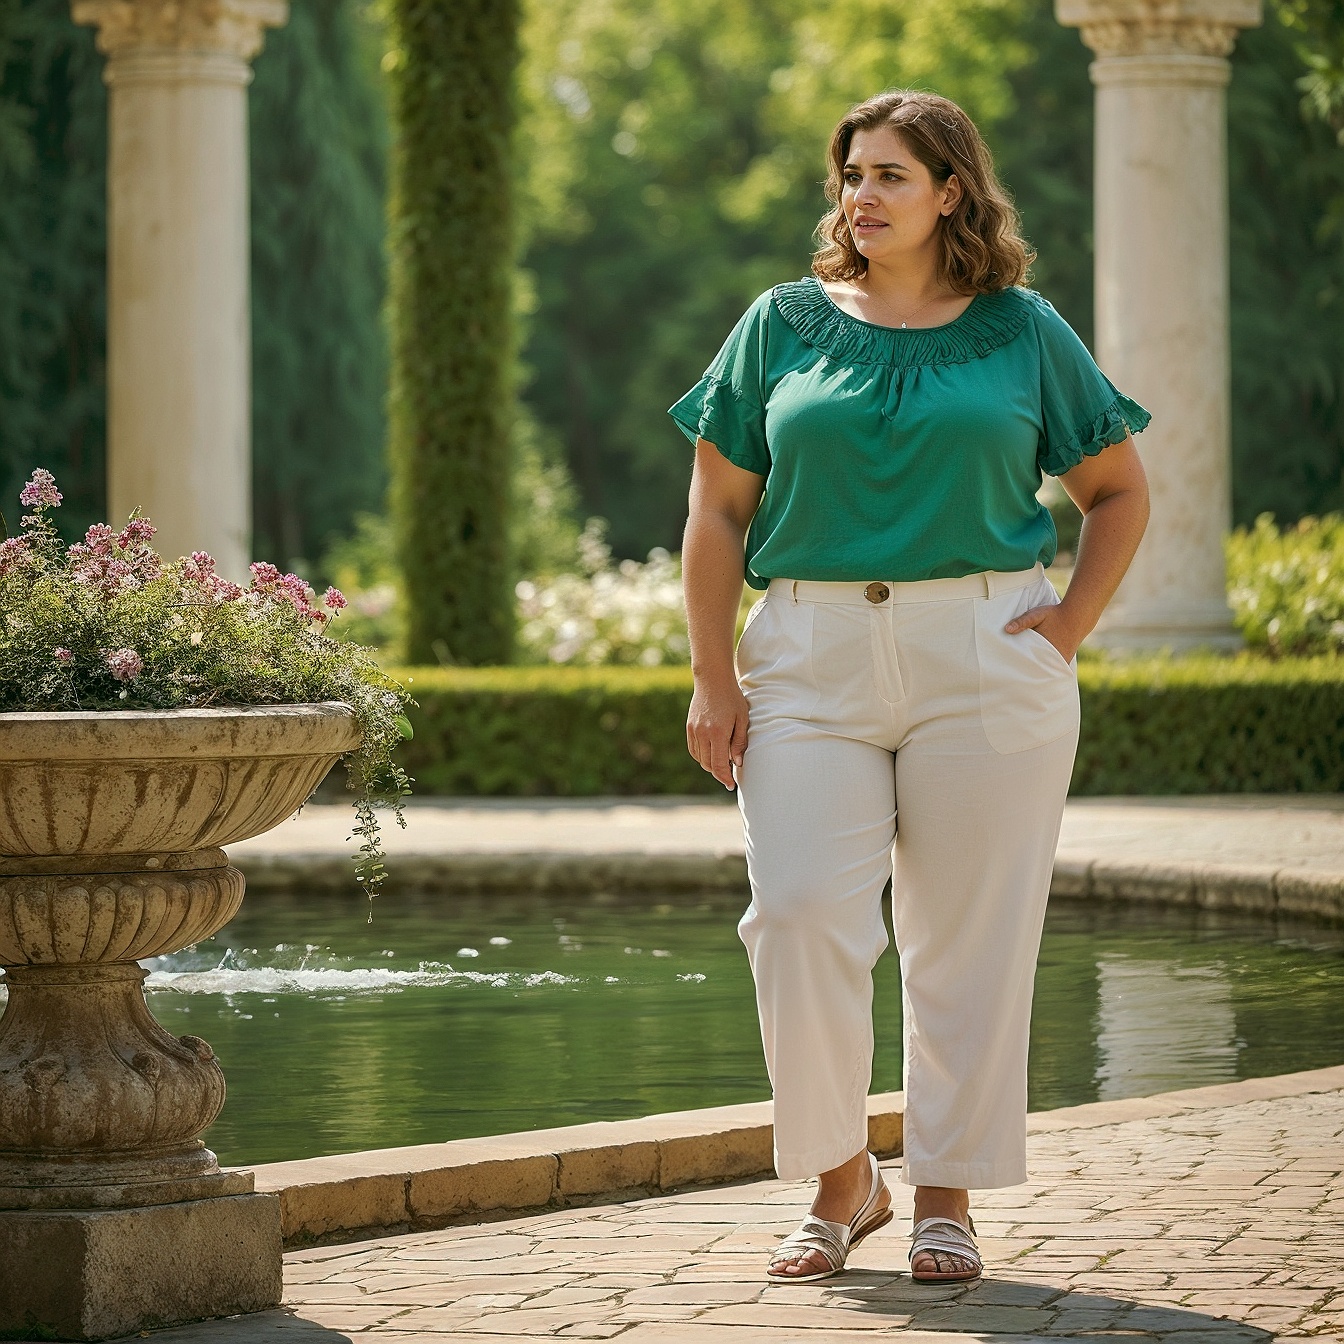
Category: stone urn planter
[114,1216]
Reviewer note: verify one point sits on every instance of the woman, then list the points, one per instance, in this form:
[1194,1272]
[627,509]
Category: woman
[871,439]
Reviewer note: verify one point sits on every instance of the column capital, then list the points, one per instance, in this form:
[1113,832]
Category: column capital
[231,29]
[1159,27]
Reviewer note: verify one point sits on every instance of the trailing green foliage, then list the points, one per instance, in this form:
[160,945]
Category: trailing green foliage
[451,69]
[1194,725]
[1043,150]
[319,360]
[1286,587]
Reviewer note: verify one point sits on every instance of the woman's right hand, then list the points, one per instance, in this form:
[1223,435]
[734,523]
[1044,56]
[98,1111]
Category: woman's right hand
[716,727]
[723,499]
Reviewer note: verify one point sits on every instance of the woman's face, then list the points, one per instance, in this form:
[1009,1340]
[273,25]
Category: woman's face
[891,202]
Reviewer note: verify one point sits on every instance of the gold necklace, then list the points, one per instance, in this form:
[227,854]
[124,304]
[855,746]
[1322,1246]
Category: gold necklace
[917,311]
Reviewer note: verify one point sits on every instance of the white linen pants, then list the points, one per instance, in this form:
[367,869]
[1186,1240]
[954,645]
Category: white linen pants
[912,721]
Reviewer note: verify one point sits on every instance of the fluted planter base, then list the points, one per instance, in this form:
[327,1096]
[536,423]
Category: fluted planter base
[114,1215]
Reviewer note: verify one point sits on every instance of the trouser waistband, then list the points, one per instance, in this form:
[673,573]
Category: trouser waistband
[883,593]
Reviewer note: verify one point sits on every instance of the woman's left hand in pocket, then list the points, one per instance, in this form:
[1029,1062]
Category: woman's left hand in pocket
[1051,622]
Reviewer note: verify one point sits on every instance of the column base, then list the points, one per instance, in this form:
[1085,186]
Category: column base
[96,1274]
[1179,627]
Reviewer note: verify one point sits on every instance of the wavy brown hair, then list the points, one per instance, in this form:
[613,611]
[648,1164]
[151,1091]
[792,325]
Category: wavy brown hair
[980,249]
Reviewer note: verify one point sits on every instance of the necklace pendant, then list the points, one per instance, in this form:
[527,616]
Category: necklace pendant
[902,326]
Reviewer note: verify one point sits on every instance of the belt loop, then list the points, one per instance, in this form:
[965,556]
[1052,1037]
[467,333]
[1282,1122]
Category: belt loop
[988,580]
[795,592]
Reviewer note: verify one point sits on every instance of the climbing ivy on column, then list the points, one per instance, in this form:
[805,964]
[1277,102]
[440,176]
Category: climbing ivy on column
[452,76]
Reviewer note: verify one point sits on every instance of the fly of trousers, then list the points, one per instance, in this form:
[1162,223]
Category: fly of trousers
[896,731]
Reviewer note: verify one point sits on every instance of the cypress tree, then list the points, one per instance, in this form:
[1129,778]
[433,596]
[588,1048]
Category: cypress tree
[452,68]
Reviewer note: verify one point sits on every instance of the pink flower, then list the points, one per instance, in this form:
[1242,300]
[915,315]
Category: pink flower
[63,655]
[109,574]
[335,599]
[99,539]
[137,532]
[199,567]
[124,664]
[41,491]
[146,564]
[14,554]
[264,575]
[269,582]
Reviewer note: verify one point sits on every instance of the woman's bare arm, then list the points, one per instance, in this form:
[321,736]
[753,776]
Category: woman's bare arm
[723,501]
[1112,492]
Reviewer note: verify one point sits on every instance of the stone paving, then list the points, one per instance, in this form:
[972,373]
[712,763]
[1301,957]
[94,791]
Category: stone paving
[1275,855]
[1220,1225]
[1280,830]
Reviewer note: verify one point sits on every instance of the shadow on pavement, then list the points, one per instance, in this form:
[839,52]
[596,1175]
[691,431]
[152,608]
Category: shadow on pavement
[257,1327]
[1003,1306]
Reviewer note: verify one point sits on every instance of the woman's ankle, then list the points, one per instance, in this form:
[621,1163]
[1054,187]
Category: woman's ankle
[843,1189]
[939,1201]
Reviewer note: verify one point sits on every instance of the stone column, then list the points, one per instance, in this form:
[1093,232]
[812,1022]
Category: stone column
[179,347]
[1161,74]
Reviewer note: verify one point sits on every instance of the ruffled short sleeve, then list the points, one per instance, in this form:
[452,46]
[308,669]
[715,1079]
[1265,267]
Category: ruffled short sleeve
[727,406]
[1081,409]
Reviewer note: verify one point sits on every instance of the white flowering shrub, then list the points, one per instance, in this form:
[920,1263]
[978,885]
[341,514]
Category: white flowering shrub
[626,613]
[1286,586]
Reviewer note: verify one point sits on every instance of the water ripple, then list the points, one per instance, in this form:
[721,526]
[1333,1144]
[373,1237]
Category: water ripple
[360,980]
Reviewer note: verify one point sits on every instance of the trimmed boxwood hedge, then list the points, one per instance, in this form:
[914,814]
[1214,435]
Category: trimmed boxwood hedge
[1152,726]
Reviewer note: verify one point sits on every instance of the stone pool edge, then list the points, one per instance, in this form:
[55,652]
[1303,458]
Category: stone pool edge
[349,1196]
[1265,890]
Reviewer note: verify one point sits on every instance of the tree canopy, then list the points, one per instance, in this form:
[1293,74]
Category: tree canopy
[671,155]
[666,169]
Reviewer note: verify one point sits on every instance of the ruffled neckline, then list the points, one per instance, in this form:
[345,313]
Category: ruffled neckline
[988,322]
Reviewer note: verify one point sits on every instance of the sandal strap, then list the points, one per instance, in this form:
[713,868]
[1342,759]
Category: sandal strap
[875,1188]
[832,1239]
[816,1234]
[945,1235]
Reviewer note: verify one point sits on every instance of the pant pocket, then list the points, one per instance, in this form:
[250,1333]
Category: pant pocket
[1028,693]
[774,660]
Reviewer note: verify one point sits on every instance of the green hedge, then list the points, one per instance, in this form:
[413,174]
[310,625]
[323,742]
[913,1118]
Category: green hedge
[1196,725]
[576,731]
[1212,725]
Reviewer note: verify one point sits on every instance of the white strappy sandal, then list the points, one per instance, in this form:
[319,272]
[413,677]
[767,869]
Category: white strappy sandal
[833,1241]
[945,1236]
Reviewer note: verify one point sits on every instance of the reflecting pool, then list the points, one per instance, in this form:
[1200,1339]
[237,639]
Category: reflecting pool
[452,1016]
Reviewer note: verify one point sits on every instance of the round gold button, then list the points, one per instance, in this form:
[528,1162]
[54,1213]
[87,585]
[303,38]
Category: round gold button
[877,593]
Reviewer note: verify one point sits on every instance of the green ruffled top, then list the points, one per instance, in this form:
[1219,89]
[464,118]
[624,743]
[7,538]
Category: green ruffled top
[902,454]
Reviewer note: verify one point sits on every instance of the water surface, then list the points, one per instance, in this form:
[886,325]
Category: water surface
[454,1016]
